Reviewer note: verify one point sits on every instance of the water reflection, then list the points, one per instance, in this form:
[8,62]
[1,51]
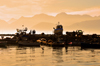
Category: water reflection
[66,48]
[57,54]
[25,54]
[3,47]
[77,55]
[50,56]
[57,51]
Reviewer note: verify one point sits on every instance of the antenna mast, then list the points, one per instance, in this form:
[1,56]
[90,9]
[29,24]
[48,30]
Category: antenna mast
[58,23]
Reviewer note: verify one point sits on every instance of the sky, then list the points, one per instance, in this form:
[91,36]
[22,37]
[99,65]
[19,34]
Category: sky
[28,8]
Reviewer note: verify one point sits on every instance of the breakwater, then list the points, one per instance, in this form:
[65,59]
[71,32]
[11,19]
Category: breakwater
[75,37]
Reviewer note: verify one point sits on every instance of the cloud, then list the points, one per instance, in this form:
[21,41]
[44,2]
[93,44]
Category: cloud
[17,8]
[6,13]
[91,11]
[17,3]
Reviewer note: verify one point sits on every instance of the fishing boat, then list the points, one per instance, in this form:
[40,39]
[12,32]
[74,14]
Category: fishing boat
[29,43]
[3,43]
[56,43]
[73,43]
[90,45]
[42,40]
[58,30]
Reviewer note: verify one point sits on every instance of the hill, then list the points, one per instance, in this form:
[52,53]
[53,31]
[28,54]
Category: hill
[87,26]
[3,24]
[12,20]
[63,18]
[44,26]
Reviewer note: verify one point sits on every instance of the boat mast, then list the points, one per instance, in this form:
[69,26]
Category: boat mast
[58,23]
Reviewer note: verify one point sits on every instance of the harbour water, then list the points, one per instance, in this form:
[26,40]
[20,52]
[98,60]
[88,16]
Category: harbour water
[50,56]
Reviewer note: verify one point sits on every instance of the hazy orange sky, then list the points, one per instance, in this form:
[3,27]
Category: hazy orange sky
[17,8]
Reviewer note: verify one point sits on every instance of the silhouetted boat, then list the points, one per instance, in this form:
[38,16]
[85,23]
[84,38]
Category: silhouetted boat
[90,45]
[42,40]
[74,43]
[29,43]
[55,44]
[59,29]
[3,43]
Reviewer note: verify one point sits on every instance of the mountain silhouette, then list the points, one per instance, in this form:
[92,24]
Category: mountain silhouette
[44,26]
[3,24]
[67,20]
[12,20]
[47,22]
[87,26]
[63,18]
[31,21]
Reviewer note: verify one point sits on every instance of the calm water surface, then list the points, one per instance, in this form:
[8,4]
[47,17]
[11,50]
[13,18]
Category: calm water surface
[50,56]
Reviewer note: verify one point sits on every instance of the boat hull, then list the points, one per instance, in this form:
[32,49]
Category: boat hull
[73,44]
[58,31]
[3,43]
[54,44]
[28,43]
[88,45]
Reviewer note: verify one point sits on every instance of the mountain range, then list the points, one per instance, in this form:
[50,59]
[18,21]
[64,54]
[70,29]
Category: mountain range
[47,22]
[90,26]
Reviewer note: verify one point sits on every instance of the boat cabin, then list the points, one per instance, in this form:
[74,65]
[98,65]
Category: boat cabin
[59,26]
[79,32]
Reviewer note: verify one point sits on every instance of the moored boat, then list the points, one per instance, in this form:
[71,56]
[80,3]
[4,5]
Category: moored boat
[90,45]
[29,43]
[2,43]
[74,43]
[42,40]
[55,44]
[58,30]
